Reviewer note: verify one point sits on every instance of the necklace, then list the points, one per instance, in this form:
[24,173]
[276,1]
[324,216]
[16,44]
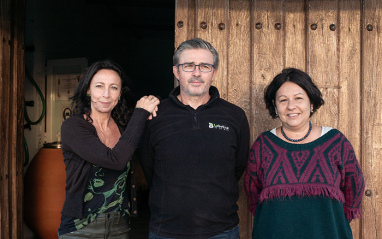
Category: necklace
[297,140]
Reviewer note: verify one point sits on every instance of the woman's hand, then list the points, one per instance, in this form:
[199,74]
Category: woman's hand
[149,103]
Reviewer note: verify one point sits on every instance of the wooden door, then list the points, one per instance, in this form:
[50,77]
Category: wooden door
[338,43]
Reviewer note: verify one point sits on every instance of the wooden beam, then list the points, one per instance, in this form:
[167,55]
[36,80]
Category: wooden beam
[12,28]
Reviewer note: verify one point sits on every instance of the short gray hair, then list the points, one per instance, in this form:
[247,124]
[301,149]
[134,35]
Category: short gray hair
[195,43]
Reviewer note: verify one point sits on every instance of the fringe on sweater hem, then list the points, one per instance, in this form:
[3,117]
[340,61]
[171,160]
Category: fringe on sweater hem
[283,191]
[352,213]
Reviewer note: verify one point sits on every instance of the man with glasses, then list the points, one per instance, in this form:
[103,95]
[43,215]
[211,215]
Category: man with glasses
[194,152]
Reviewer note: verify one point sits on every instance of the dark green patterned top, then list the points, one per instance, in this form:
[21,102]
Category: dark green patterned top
[106,192]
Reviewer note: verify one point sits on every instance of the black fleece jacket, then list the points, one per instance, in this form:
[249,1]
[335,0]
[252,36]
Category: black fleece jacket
[193,160]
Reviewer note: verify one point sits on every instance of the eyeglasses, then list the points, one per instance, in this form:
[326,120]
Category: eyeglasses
[203,67]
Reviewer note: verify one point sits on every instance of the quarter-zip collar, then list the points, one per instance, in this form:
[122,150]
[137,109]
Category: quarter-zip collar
[213,91]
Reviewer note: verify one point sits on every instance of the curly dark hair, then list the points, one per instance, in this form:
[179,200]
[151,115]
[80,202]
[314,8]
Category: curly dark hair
[81,101]
[301,79]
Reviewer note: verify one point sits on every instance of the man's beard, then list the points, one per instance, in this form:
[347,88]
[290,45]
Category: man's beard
[189,93]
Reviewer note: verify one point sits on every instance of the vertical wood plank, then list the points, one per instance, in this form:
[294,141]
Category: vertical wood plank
[323,42]
[372,117]
[322,57]
[239,83]
[214,13]
[295,34]
[183,24]
[12,28]
[349,80]
[17,117]
[182,21]
[239,54]
[268,59]
[5,38]
[191,19]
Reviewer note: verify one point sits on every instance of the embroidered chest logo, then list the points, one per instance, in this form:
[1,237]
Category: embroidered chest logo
[218,126]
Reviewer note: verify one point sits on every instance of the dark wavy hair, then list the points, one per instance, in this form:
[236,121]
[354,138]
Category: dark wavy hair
[301,79]
[81,101]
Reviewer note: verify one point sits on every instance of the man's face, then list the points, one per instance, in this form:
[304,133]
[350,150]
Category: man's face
[195,83]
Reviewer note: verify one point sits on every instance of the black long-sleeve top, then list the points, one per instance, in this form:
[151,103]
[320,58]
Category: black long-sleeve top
[193,160]
[82,148]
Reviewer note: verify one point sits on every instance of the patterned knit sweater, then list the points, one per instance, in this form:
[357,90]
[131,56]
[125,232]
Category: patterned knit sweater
[326,167]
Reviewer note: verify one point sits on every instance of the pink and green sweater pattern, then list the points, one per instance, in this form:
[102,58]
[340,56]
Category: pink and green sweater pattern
[325,167]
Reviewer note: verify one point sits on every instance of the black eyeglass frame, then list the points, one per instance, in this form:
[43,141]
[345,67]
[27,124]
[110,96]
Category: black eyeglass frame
[197,66]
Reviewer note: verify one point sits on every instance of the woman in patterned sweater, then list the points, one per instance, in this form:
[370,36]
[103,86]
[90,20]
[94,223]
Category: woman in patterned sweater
[302,180]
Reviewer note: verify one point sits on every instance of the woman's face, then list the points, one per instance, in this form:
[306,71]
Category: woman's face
[105,89]
[293,106]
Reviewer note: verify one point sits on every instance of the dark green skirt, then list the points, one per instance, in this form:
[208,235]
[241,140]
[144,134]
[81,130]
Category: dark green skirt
[301,218]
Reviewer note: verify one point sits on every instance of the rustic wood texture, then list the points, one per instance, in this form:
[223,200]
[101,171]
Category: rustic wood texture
[322,57]
[239,80]
[184,24]
[17,105]
[5,211]
[12,28]
[349,76]
[332,42]
[372,118]
[212,13]
[295,40]
[267,52]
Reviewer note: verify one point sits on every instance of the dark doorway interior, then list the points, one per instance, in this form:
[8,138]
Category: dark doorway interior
[139,225]
[139,35]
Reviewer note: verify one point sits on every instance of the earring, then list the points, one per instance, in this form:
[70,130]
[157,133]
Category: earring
[277,115]
[88,94]
[311,110]
[119,98]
